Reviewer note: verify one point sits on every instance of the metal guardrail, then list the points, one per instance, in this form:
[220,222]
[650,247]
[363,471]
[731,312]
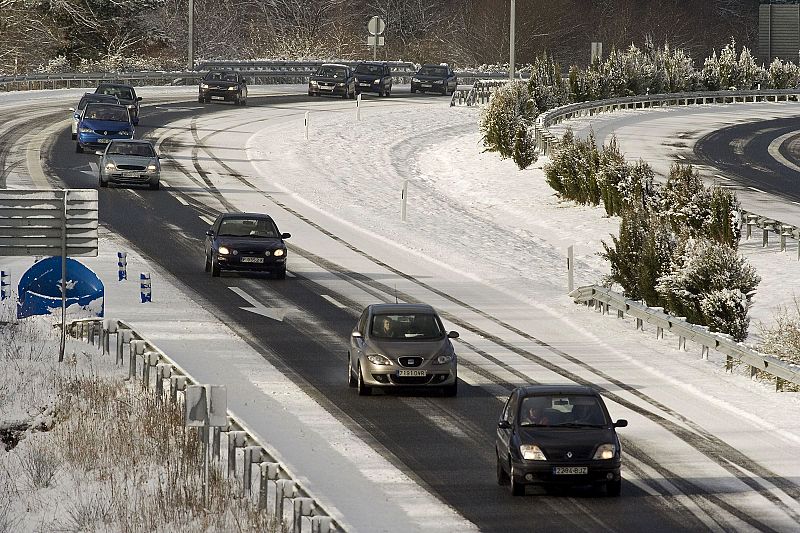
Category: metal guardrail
[603,298]
[478,93]
[153,367]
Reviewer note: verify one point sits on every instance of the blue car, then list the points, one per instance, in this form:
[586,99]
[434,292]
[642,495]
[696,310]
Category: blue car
[102,123]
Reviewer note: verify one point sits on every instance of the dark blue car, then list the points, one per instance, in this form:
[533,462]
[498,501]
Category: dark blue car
[101,123]
[245,242]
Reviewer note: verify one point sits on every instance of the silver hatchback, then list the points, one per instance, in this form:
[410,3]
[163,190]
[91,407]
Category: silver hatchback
[130,162]
[401,345]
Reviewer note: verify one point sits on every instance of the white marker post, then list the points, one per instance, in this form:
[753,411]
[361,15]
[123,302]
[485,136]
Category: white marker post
[403,200]
[358,106]
[305,123]
[570,269]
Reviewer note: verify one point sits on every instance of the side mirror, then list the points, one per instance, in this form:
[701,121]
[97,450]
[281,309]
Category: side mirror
[99,152]
[72,109]
[452,334]
[210,233]
[138,98]
[621,423]
[285,235]
[503,424]
[356,335]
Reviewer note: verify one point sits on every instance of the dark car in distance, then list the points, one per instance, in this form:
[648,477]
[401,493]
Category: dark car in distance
[227,86]
[374,77]
[557,435]
[126,95]
[434,78]
[333,79]
[245,242]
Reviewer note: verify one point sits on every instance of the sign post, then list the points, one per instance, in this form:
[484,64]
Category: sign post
[206,407]
[376,27]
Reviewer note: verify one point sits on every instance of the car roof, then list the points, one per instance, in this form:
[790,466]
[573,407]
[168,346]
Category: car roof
[115,85]
[245,215]
[434,65]
[99,96]
[381,63]
[536,390]
[334,65]
[400,308]
[131,141]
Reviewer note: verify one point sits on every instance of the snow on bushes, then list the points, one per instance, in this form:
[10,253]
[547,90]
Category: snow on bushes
[509,116]
[783,338]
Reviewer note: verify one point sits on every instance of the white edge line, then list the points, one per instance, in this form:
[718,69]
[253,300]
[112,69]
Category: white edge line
[181,200]
[290,274]
[206,220]
[335,302]
[722,177]
[757,190]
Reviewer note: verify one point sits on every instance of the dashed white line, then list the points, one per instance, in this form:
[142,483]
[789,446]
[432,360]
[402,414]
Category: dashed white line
[757,190]
[206,220]
[720,176]
[181,200]
[290,274]
[335,302]
[164,183]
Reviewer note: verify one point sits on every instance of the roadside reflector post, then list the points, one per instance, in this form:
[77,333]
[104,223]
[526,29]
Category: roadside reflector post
[403,200]
[122,265]
[145,286]
[570,268]
[358,106]
[305,124]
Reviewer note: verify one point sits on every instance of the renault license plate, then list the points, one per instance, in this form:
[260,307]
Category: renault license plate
[570,470]
[103,141]
[412,373]
[252,259]
[218,98]
[426,84]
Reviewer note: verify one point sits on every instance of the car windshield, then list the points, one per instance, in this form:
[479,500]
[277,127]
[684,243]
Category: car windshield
[332,72]
[106,112]
[562,410]
[418,326]
[136,149]
[433,71]
[123,93]
[97,98]
[248,227]
[220,76]
[364,68]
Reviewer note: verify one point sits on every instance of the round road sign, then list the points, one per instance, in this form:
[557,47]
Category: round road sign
[376,26]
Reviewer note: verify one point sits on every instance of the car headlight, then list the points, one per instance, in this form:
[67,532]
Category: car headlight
[76,117]
[86,130]
[204,86]
[224,250]
[376,82]
[232,88]
[279,252]
[340,84]
[531,452]
[377,359]
[110,166]
[152,167]
[415,80]
[605,451]
[131,106]
[314,83]
[442,359]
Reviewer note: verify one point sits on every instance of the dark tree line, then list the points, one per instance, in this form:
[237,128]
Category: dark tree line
[131,33]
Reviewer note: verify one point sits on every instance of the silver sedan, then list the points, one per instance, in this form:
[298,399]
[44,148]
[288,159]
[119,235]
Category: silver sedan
[401,345]
[130,162]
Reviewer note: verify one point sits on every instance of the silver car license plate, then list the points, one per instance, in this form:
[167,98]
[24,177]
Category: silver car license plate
[570,470]
[252,259]
[130,174]
[103,141]
[218,98]
[412,373]
[364,84]
[426,84]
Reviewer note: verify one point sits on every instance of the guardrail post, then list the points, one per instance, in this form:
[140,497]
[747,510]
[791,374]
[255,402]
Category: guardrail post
[123,338]
[269,472]
[620,313]
[753,372]
[236,439]
[659,332]
[285,488]
[681,342]
[252,454]
[321,524]
[639,324]
[728,363]
[302,507]
[704,352]
[778,384]
[163,371]
[176,383]
[150,359]
[110,327]
[765,234]
[751,221]
[786,231]
[137,349]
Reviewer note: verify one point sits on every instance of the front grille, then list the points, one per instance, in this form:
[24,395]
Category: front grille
[407,380]
[105,132]
[130,167]
[579,453]
[411,361]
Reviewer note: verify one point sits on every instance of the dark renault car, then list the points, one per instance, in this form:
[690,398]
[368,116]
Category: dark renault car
[102,123]
[434,78]
[401,345]
[126,95]
[245,242]
[333,79]
[557,435]
[374,77]
[223,85]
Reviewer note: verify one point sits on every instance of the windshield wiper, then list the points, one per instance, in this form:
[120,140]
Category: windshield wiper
[579,425]
[532,425]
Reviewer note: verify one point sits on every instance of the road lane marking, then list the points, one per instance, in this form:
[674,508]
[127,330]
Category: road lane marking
[720,176]
[206,220]
[290,274]
[275,313]
[337,303]
[757,190]
[774,150]
[181,200]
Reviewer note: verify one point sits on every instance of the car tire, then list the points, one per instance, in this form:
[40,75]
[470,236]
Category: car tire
[215,270]
[103,183]
[244,101]
[363,390]
[351,381]
[78,148]
[208,264]
[413,90]
[450,390]
[155,185]
[280,274]
[388,93]
[74,136]
[517,489]
[614,488]
[200,100]
[502,475]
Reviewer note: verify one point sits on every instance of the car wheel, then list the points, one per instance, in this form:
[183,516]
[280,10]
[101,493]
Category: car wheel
[74,136]
[208,264]
[413,90]
[388,93]
[280,274]
[78,148]
[502,476]
[215,270]
[450,390]
[155,185]
[351,381]
[103,183]
[363,390]
[517,489]
[614,488]
[244,101]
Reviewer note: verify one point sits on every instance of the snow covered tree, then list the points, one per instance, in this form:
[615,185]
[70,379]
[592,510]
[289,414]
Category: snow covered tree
[509,114]
[546,84]
[624,255]
[573,169]
[782,339]
[700,272]
[782,75]
[638,188]
[611,172]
